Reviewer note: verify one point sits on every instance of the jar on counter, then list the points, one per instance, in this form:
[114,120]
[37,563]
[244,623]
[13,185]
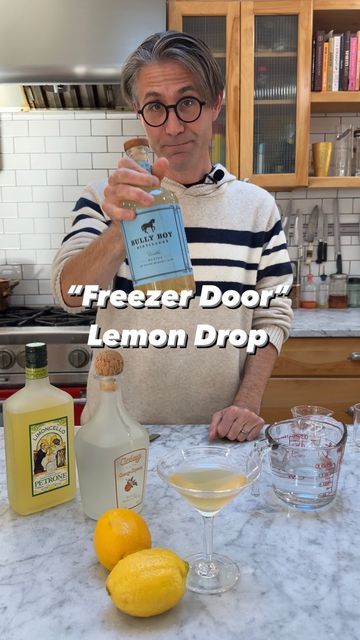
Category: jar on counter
[308,293]
[323,292]
[354,291]
[338,291]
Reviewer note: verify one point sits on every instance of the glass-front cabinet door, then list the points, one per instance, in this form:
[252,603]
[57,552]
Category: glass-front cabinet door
[275,52]
[217,24]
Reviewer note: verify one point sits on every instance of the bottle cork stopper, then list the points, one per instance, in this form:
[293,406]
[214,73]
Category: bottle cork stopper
[136,142]
[109,363]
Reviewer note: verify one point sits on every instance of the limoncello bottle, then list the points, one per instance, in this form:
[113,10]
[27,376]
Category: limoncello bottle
[39,439]
[111,448]
[155,240]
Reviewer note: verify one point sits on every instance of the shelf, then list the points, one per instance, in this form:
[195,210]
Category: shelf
[270,53]
[335,182]
[267,102]
[335,101]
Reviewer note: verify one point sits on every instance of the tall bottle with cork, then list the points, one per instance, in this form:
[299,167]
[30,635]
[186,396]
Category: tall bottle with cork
[39,439]
[112,448]
[155,240]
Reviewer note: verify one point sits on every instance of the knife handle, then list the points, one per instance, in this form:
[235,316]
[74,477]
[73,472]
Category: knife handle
[338,263]
[309,253]
[324,254]
[320,252]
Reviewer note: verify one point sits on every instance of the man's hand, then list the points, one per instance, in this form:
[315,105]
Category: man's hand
[235,423]
[127,183]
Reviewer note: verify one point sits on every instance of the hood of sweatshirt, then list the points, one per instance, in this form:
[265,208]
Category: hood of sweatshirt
[207,188]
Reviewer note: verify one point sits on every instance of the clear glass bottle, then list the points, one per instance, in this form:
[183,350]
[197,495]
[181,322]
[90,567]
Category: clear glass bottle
[155,240]
[354,291]
[357,152]
[323,292]
[308,293]
[39,439]
[111,455]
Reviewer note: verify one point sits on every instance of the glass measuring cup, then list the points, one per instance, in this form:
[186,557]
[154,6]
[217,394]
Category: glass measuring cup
[307,409]
[305,456]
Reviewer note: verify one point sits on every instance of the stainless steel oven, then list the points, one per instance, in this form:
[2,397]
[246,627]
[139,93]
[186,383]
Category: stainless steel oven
[68,354]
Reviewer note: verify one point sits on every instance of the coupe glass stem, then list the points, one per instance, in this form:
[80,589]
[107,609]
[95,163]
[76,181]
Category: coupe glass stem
[208,536]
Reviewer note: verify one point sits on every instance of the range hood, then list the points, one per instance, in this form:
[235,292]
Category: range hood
[69,53]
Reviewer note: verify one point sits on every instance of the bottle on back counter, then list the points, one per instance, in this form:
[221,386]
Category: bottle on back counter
[308,293]
[39,439]
[155,240]
[112,448]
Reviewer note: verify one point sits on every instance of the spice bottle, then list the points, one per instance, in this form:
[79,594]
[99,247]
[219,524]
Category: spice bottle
[308,293]
[155,241]
[112,448]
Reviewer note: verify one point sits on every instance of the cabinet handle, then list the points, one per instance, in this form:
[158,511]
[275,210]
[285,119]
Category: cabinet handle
[355,355]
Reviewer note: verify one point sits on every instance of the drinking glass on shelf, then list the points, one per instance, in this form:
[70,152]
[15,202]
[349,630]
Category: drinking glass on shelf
[209,477]
[343,149]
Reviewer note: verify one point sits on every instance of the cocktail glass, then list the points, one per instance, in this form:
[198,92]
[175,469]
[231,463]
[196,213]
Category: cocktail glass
[209,477]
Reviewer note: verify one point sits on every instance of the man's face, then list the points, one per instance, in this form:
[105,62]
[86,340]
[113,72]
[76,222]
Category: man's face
[185,145]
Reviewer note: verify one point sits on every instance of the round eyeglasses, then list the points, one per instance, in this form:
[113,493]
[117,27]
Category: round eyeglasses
[187,109]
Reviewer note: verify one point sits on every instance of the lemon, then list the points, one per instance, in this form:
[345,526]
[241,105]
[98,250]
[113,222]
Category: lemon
[117,533]
[148,582]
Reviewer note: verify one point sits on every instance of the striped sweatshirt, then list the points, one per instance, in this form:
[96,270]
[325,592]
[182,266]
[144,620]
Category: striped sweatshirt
[236,243]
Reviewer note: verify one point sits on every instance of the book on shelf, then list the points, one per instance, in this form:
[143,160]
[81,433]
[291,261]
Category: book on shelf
[319,54]
[330,70]
[325,66]
[336,61]
[346,60]
[353,62]
[357,79]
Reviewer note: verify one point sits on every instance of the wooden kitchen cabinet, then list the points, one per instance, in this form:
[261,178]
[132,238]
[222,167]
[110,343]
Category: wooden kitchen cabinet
[317,371]
[264,48]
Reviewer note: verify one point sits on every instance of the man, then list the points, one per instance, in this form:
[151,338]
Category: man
[235,242]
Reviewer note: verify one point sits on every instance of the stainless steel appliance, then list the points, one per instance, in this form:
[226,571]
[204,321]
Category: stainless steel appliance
[66,338]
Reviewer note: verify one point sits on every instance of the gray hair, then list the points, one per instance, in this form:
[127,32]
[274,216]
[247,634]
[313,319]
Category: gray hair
[176,46]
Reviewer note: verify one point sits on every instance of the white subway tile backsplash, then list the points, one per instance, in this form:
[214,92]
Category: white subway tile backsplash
[14,160]
[61,176]
[20,256]
[8,210]
[7,178]
[35,241]
[75,128]
[17,301]
[72,194]
[27,287]
[49,225]
[89,143]
[47,194]
[70,149]
[39,272]
[45,256]
[86,176]
[39,300]
[12,128]
[106,127]
[133,128]
[44,128]
[29,145]
[34,209]
[45,160]
[7,144]
[10,241]
[60,209]
[31,177]
[19,225]
[106,160]
[17,194]
[67,144]
[76,160]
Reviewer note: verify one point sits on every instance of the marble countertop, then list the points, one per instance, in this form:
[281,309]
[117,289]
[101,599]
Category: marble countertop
[300,573]
[312,323]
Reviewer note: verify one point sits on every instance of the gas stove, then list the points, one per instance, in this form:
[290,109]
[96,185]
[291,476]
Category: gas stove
[65,335]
